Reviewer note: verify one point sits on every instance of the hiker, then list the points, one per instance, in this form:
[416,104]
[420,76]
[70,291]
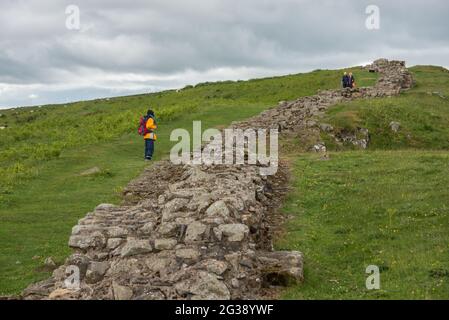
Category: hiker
[351,80]
[345,80]
[146,129]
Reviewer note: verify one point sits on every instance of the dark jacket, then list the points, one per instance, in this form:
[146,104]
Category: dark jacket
[351,81]
[345,81]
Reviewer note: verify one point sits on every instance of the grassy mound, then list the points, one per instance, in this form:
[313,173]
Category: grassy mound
[422,113]
[388,206]
[384,208]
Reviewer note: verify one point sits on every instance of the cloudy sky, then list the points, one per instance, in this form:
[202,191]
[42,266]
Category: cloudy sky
[134,46]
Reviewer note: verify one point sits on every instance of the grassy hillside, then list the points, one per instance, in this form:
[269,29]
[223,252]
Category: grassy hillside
[384,208]
[35,135]
[44,150]
[422,113]
[388,206]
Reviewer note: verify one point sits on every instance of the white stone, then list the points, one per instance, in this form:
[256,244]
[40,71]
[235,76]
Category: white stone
[117,232]
[218,208]
[134,247]
[121,292]
[187,253]
[165,244]
[204,286]
[195,231]
[114,243]
[147,228]
[234,232]
[104,206]
[87,241]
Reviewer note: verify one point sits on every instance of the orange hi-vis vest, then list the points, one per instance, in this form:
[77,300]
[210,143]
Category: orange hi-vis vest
[151,126]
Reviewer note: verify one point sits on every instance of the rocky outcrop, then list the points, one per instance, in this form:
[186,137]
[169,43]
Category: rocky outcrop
[198,232]
[205,236]
[300,116]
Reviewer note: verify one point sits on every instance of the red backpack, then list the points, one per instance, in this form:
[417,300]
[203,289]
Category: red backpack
[143,126]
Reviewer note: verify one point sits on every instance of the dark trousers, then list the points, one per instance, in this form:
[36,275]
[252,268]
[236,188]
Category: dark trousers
[149,148]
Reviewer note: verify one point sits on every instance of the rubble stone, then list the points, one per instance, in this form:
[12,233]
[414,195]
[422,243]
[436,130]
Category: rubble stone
[211,226]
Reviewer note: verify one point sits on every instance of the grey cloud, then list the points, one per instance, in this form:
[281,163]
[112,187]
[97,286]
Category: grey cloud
[165,39]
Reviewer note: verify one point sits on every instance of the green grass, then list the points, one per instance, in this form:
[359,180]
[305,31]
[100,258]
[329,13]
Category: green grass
[43,152]
[38,216]
[388,206]
[36,135]
[384,208]
[423,113]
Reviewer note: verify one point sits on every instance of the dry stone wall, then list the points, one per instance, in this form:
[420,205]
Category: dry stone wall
[195,231]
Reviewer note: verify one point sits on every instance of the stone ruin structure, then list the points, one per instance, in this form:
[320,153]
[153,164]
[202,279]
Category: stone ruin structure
[196,231]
